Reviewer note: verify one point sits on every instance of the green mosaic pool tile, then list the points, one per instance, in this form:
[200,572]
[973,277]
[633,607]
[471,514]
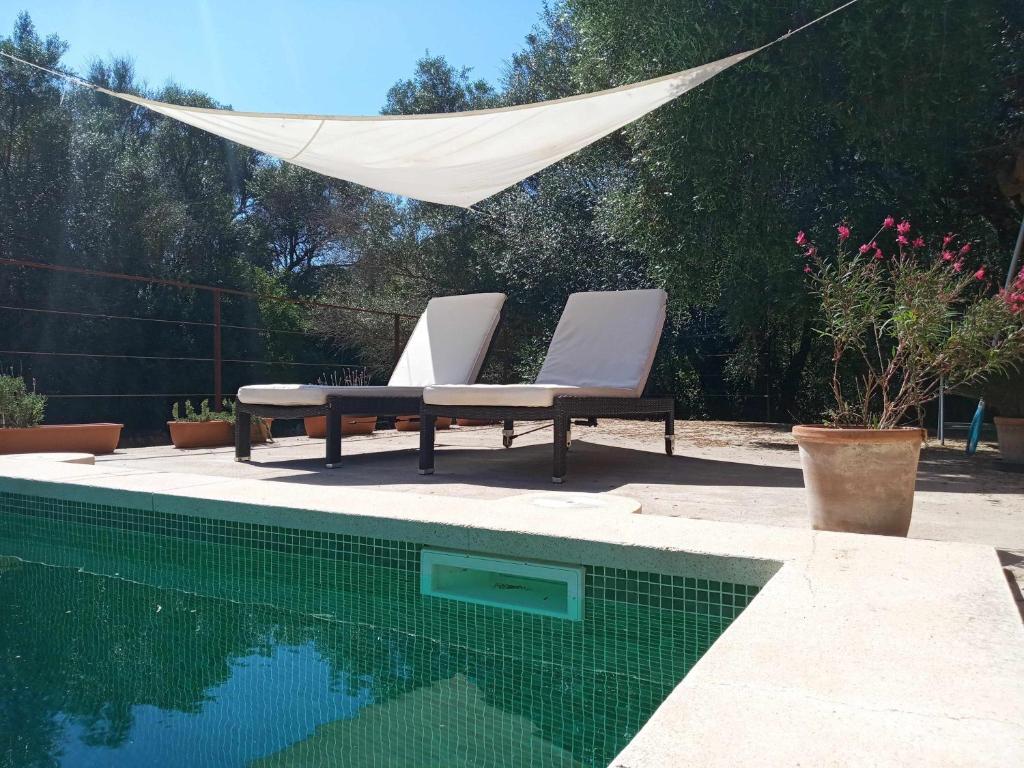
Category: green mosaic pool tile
[574,692]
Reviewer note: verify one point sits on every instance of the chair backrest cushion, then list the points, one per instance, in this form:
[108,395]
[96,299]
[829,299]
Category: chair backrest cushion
[606,339]
[450,341]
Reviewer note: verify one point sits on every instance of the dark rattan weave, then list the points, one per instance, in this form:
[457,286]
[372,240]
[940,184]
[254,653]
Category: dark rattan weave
[562,412]
[335,408]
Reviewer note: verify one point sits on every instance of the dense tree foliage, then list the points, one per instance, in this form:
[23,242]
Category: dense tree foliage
[912,108]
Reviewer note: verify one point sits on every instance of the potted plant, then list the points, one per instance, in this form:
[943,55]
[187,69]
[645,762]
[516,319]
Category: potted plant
[412,423]
[316,426]
[209,429]
[21,430]
[898,318]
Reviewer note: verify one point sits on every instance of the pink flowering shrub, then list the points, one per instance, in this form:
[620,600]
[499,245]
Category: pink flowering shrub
[901,316]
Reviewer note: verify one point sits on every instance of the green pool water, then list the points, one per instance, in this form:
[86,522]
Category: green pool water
[131,638]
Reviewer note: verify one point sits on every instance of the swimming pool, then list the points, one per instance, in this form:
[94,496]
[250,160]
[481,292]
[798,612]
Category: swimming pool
[135,637]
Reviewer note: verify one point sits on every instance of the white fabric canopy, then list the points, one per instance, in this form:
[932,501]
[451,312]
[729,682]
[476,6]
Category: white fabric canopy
[455,158]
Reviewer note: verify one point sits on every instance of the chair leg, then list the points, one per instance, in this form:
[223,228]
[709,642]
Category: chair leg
[427,427]
[508,433]
[243,436]
[670,433]
[333,446]
[561,448]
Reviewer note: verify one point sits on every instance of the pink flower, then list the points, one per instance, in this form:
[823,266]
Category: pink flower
[844,232]
[918,242]
[966,249]
[867,247]
[811,252]
[902,240]
[958,265]
[947,255]
[807,269]
[888,222]
[903,227]
[801,238]
[878,254]
[948,239]
[980,274]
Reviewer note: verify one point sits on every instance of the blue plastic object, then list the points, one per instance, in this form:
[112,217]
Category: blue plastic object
[974,434]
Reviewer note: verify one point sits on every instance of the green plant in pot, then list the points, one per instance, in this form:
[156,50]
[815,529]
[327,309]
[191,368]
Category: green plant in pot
[19,407]
[22,431]
[207,428]
[900,317]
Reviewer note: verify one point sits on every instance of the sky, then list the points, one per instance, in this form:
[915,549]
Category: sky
[306,56]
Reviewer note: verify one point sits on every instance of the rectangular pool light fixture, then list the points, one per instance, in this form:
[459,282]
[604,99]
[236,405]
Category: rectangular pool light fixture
[542,588]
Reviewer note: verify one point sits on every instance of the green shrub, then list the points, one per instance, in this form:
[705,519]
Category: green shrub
[18,406]
[204,413]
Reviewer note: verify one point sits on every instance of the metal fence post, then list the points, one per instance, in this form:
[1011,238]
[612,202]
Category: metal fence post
[942,411]
[218,357]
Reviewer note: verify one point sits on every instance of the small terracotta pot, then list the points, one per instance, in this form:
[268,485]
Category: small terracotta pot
[201,434]
[475,422]
[412,423]
[1010,432]
[316,426]
[61,438]
[860,480]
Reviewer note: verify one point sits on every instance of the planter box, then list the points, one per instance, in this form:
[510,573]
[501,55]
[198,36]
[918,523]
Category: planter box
[412,423]
[61,438]
[316,426]
[475,422]
[211,434]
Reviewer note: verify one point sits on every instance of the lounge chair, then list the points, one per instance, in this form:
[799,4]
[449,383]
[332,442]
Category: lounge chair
[448,346]
[597,366]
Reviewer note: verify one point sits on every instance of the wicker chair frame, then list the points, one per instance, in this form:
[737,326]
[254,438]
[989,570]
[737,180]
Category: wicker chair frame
[562,412]
[335,408]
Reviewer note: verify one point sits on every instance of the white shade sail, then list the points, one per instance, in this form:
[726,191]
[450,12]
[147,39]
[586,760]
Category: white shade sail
[454,158]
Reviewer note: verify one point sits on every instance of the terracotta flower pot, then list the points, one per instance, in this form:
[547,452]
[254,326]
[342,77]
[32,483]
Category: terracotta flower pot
[316,426]
[1010,432]
[61,438]
[475,422]
[860,480]
[201,434]
[412,423]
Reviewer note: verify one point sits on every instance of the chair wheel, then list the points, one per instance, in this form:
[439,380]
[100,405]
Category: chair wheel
[506,441]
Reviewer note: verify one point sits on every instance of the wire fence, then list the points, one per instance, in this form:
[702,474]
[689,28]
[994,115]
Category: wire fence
[42,332]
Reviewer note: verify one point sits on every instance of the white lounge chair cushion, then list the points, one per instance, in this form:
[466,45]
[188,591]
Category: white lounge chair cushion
[447,346]
[606,339]
[513,395]
[314,394]
[450,341]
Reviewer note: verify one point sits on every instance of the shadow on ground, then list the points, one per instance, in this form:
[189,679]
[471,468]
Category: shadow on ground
[592,466]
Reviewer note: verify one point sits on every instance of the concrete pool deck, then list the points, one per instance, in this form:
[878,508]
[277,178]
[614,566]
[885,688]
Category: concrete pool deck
[859,650]
[724,471]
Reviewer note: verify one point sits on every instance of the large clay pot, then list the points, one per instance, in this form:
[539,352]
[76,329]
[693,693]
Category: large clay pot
[860,480]
[61,438]
[201,434]
[412,423]
[316,426]
[1010,432]
[214,433]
